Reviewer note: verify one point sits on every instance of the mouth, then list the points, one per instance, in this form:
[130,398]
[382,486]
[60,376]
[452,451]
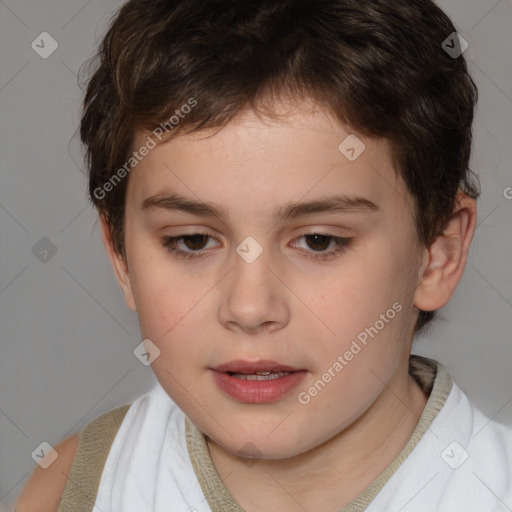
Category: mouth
[259,375]
[242,367]
[256,382]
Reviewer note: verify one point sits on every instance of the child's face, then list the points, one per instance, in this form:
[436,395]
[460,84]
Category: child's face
[284,306]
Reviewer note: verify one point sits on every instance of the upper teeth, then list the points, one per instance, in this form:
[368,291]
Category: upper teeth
[259,375]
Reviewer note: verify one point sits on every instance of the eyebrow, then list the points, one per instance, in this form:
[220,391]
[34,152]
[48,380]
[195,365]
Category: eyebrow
[336,203]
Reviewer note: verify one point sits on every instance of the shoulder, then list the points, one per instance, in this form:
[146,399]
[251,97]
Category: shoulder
[480,453]
[80,456]
[490,448]
[45,486]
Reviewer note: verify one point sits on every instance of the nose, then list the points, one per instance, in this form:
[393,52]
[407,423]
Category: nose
[255,299]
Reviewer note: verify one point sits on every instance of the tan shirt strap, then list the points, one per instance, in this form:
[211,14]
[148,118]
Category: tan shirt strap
[93,448]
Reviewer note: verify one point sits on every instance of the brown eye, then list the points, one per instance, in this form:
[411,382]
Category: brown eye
[195,242]
[319,242]
[192,245]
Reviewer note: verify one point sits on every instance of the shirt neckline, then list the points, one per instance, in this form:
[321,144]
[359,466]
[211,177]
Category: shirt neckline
[430,375]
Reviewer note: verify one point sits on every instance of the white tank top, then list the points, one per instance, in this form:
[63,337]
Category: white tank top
[148,466]
[460,461]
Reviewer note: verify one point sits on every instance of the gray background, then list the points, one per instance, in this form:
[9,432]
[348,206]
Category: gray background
[67,338]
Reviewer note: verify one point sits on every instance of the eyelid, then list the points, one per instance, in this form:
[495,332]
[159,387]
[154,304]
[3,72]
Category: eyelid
[342,243]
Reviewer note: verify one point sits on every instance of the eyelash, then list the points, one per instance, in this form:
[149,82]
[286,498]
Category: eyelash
[169,243]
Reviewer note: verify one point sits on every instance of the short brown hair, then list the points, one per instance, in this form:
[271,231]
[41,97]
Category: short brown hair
[378,66]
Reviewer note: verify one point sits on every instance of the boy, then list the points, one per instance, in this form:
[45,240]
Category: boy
[225,141]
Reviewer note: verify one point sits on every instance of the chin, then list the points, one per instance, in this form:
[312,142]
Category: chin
[255,448]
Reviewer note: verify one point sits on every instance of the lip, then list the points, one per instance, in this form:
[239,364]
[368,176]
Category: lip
[241,366]
[256,391]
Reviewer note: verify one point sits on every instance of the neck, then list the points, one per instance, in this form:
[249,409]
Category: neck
[332,474]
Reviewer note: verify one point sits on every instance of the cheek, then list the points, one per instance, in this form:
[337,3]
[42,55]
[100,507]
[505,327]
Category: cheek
[170,308]
[158,290]
[366,286]
[160,300]
[366,309]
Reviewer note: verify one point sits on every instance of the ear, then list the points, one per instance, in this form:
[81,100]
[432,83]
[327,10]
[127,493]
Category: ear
[445,260]
[119,265]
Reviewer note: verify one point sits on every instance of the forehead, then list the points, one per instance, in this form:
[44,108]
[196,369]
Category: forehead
[254,161]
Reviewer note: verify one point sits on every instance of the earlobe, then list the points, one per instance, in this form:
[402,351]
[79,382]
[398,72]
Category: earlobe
[445,259]
[119,266]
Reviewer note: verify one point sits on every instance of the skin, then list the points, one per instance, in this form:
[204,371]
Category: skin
[285,306]
[44,487]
